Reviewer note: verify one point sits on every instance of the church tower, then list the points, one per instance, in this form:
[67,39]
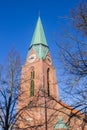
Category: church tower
[38,83]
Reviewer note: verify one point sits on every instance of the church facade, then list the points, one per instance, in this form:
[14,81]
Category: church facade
[39,102]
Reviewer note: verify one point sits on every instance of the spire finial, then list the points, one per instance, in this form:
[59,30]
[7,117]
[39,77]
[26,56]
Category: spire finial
[39,13]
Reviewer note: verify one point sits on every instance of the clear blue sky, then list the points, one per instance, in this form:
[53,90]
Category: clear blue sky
[18,19]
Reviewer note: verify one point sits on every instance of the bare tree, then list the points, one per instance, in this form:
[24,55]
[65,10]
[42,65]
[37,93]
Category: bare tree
[79,17]
[9,90]
[74,59]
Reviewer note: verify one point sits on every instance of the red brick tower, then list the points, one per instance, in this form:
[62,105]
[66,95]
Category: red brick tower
[38,83]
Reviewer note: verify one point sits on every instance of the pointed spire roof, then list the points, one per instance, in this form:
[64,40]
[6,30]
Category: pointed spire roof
[39,36]
[60,124]
[39,43]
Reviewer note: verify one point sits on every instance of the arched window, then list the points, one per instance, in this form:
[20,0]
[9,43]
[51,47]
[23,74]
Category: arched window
[48,85]
[32,88]
[32,74]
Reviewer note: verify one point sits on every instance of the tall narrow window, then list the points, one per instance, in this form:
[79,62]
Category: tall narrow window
[32,74]
[48,85]
[32,88]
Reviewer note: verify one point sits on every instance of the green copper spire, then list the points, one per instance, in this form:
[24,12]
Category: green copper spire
[39,36]
[60,124]
[39,43]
